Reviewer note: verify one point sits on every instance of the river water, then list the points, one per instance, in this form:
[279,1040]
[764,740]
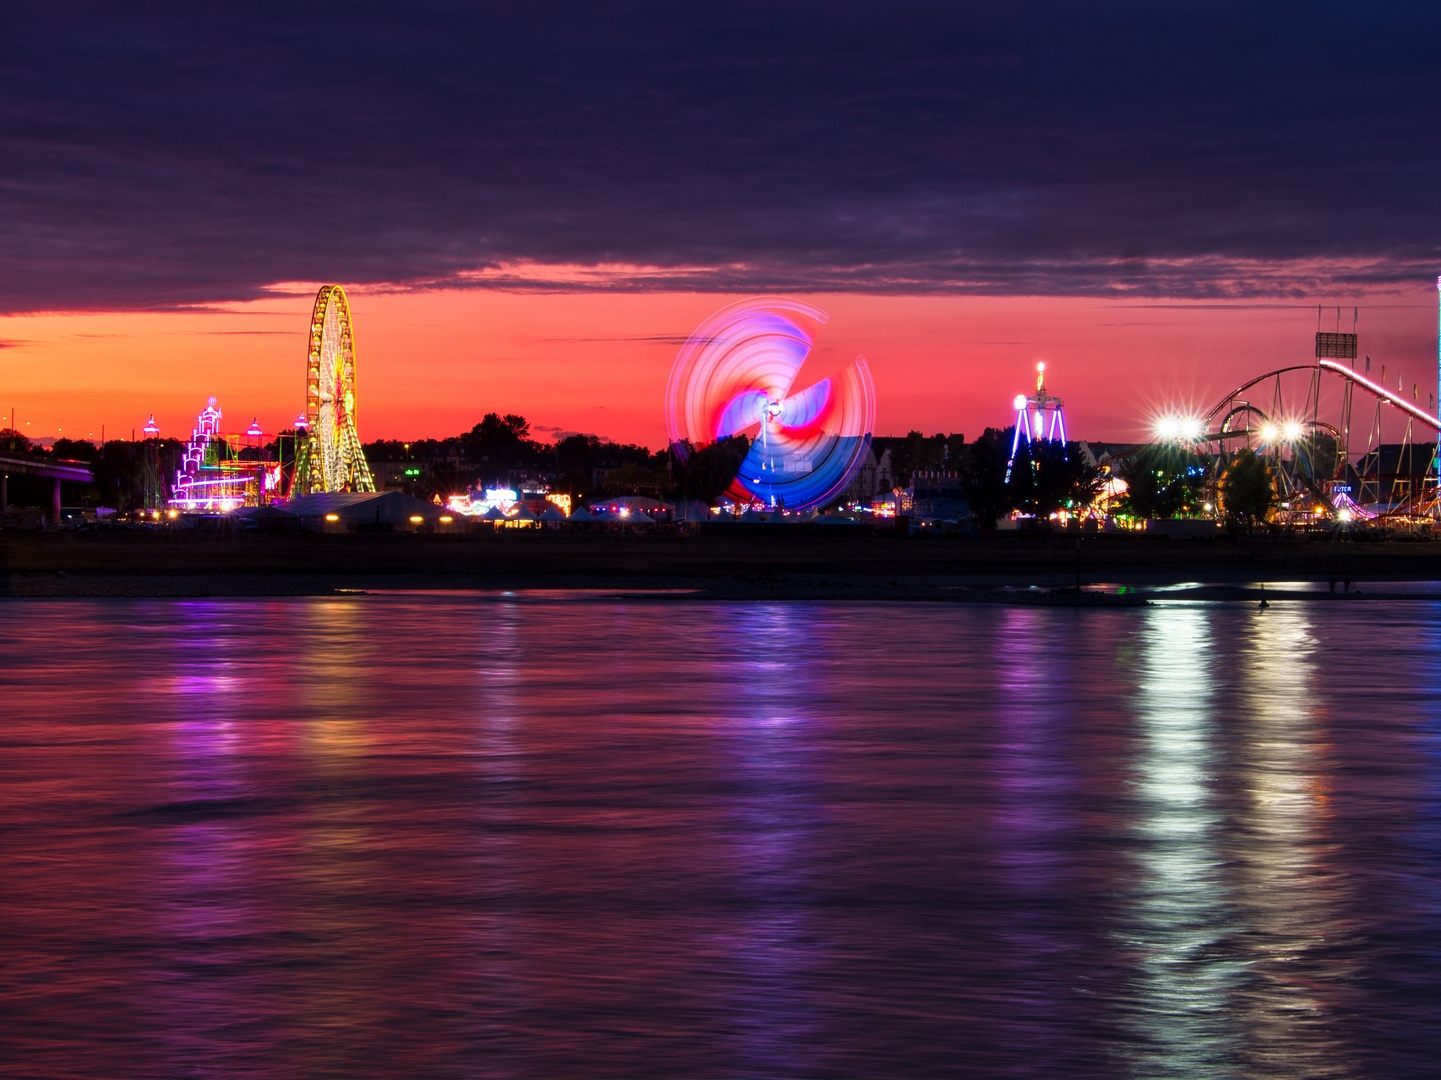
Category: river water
[546,835]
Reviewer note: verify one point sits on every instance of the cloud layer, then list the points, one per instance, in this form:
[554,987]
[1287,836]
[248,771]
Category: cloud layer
[200,153]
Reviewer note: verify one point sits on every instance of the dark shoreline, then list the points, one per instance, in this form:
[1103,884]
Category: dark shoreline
[1027,570]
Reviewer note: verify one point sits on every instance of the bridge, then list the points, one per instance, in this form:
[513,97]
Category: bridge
[73,471]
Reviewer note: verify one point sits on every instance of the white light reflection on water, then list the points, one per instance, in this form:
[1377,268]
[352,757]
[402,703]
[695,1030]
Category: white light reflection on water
[1181,903]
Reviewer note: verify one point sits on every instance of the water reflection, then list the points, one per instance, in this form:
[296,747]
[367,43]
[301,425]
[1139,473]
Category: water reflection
[1184,978]
[1290,900]
[485,836]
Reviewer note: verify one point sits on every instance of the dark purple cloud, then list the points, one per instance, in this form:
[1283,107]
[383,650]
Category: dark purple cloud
[172,154]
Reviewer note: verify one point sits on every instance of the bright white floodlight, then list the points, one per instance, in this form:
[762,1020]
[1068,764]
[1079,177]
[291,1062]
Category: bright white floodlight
[1292,430]
[1168,427]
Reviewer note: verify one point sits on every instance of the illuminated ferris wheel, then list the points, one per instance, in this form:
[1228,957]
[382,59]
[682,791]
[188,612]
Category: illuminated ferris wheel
[737,375]
[330,456]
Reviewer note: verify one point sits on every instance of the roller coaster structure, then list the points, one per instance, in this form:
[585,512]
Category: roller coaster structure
[1309,432]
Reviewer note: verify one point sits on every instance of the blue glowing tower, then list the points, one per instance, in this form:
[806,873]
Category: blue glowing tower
[1038,419]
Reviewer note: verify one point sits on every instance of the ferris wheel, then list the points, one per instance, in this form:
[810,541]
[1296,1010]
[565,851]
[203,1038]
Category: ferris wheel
[330,456]
[735,376]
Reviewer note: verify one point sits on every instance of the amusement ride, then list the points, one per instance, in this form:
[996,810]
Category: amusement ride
[219,473]
[1038,418]
[329,455]
[737,375]
[222,472]
[1340,445]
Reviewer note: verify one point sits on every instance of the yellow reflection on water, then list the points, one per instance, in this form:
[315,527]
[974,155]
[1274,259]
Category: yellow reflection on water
[331,677]
[1288,899]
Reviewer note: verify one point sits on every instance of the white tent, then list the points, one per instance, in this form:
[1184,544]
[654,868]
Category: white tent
[352,511]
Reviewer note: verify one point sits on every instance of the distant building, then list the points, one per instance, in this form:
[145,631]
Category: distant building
[874,478]
[397,475]
[938,495]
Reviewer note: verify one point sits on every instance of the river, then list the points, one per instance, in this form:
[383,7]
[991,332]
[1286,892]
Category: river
[542,835]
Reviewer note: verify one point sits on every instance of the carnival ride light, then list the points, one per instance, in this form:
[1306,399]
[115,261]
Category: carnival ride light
[302,424]
[1038,418]
[151,428]
[1343,515]
[1292,430]
[1270,433]
[737,374]
[254,428]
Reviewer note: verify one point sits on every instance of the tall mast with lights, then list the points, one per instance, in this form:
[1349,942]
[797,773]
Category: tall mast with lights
[1038,418]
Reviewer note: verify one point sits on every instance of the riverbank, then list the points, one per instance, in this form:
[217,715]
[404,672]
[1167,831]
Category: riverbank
[722,567]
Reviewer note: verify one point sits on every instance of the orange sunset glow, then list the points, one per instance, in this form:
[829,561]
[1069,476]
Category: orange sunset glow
[430,363]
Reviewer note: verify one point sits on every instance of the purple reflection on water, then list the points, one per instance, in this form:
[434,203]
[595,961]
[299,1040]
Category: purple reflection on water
[531,837]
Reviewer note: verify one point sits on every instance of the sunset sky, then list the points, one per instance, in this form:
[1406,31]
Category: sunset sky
[532,205]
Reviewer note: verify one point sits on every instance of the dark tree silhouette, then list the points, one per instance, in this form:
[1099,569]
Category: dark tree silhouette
[1247,490]
[1049,476]
[1159,483]
[984,475]
[711,469]
[496,431]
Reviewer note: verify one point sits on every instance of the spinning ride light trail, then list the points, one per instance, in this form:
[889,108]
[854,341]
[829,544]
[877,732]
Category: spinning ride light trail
[329,456]
[736,376]
[1038,418]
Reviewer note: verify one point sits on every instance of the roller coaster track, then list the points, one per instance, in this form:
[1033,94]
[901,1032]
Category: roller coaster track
[1375,389]
[1410,494]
